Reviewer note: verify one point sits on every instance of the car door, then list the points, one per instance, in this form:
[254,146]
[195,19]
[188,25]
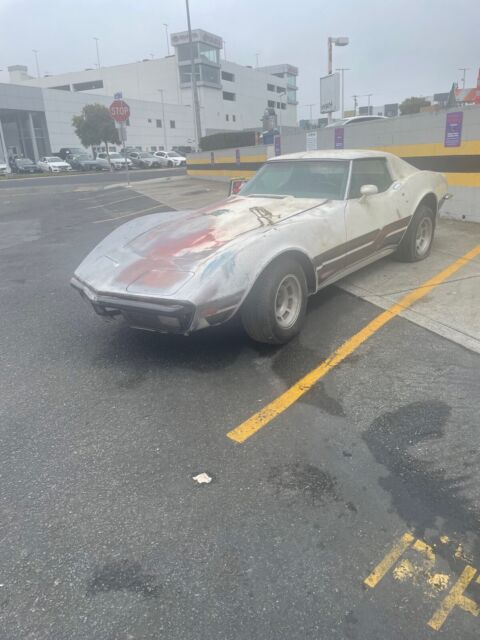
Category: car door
[374,223]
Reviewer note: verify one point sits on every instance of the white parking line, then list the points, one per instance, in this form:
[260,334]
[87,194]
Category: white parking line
[104,204]
[127,215]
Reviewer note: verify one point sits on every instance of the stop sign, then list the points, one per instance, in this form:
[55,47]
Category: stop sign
[119,110]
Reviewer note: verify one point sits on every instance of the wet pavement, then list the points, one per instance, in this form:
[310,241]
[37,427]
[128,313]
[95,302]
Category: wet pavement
[353,515]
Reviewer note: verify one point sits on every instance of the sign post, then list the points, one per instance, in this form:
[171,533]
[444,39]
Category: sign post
[120,112]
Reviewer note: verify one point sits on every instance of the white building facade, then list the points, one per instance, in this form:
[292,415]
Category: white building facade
[232,97]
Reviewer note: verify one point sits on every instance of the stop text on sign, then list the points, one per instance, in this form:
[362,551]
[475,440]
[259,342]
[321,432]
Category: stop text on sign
[119,110]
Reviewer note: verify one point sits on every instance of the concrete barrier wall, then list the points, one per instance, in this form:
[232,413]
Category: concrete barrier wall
[241,162]
[419,139]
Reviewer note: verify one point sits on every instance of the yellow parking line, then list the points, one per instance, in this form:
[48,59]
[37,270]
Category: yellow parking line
[291,395]
[127,215]
[389,560]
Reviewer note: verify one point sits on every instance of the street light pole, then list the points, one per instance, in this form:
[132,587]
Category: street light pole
[355,103]
[340,41]
[36,62]
[98,53]
[166,35]
[196,104]
[342,70]
[464,69]
[369,95]
[164,122]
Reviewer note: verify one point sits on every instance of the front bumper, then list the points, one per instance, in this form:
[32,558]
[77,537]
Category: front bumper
[164,316]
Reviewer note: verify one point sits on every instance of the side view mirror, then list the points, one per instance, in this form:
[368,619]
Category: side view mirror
[368,190]
[235,185]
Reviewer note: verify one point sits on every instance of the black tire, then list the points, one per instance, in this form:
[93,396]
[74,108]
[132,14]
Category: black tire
[259,311]
[410,248]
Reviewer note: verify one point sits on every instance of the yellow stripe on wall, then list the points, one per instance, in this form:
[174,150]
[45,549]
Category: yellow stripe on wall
[463,179]
[227,159]
[467,148]
[229,173]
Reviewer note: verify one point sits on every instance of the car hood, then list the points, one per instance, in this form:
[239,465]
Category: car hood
[164,250]
[57,164]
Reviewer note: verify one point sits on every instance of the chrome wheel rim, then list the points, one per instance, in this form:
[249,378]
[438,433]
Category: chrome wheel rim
[423,238]
[288,301]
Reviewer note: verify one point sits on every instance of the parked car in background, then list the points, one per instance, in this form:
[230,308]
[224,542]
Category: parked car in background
[302,222]
[82,162]
[144,159]
[67,152]
[170,158]
[24,165]
[53,164]
[3,168]
[113,160]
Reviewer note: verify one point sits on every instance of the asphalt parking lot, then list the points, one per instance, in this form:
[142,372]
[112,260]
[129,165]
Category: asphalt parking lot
[354,513]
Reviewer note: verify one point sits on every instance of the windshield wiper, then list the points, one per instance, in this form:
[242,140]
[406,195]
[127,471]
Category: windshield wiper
[267,195]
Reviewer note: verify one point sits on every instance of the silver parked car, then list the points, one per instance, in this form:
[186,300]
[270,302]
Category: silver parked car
[302,222]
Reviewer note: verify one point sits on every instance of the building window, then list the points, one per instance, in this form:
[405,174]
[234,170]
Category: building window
[229,96]
[159,123]
[172,124]
[228,76]
[88,86]
[210,74]
[153,148]
[234,118]
[184,52]
[127,122]
[280,89]
[279,105]
[270,87]
[62,87]
[283,105]
[227,118]
[271,103]
[149,119]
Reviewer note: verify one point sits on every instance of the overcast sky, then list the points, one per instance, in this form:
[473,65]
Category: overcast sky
[397,49]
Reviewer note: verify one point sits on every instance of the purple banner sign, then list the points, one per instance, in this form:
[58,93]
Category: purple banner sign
[453,129]
[339,137]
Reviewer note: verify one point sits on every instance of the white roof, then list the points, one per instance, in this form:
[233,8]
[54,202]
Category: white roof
[333,154]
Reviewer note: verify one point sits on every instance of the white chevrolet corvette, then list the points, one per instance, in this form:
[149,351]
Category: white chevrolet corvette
[302,222]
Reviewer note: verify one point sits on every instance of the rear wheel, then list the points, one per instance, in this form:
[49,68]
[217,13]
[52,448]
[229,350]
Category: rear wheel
[417,241]
[275,309]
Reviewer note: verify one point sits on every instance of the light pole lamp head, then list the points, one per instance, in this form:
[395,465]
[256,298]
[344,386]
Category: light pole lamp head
[340,41]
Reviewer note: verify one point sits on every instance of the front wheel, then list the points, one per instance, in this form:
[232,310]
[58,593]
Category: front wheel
[275,309]
[417,241]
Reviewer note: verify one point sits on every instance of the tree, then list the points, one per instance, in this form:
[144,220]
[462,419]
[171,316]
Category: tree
[95,125]
[413,105]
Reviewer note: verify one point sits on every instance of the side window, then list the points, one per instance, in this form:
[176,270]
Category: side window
[369,171]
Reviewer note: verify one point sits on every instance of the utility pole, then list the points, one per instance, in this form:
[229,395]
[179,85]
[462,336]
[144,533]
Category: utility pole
[164,122]
[369,95]
[196,104]
[355,103]
[98,53]
[342,70]
[464,69]
[166,36]
[257,55]
[310,106]
[36,62]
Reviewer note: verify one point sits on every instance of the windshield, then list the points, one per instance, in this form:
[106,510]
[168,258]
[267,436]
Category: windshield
[115,156]
[83,156]
[145,155]
[300,179]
